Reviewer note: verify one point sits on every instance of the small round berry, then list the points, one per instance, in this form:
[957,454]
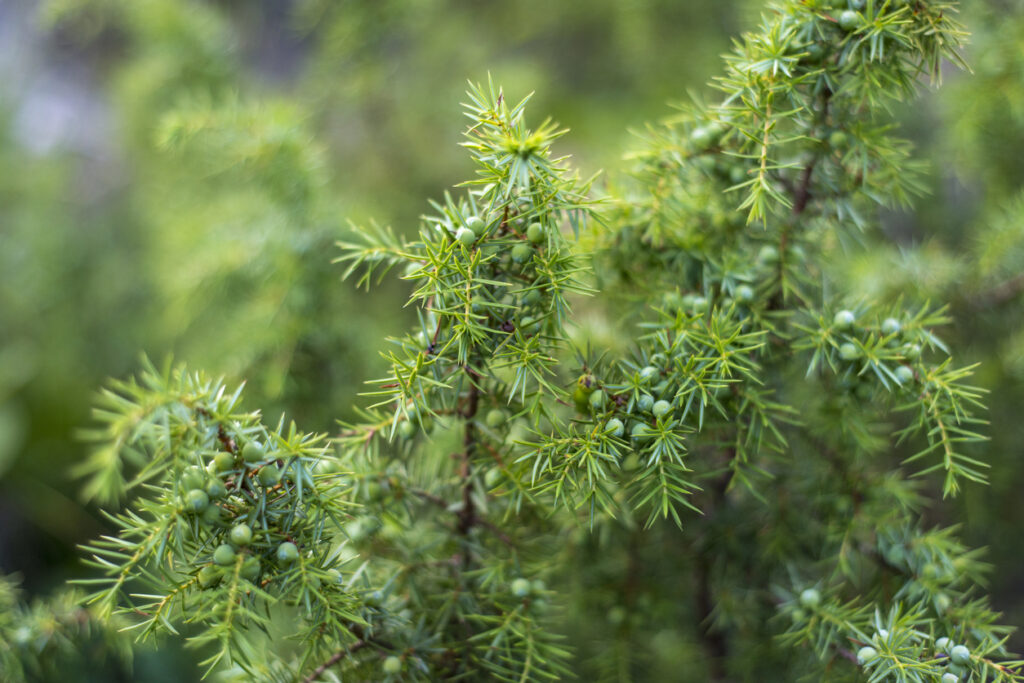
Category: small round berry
[942,603]
[476,224]
[253,452]
[597,400]
[957,669]
[661,408]
[392,665]
[810,598]
[333,576]
[406,429]
[849,20]
[943,644]
[701,137]
[639,431]
[881,635]
[960,655]
[648,374]
[193,477]
[949,678]
[615,427]
[224,555]
[521,588]
[843,320]
[196,500]
[866,654]
[768,254]
[495,418]
[250,568]
[269,475]
[493,477]
[745,293]
[223,461]
[858,4]
[522,253]
[529,325]
[891,326]
[241,534]
[465,236]
[904,375]
[838,139]
[535,233]
[538,586]
[287,553]
[912,351]
[216,489]
[212,515]
[699,304]
[849,351]
[645,402]
[208,576]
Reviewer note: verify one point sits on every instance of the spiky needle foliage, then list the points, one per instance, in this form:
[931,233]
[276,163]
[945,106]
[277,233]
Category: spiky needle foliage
[721,481]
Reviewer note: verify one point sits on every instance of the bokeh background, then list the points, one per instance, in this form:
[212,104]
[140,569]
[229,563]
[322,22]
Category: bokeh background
[174,174]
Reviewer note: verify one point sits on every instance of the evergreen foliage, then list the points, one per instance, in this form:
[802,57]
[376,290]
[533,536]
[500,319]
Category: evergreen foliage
[729,487]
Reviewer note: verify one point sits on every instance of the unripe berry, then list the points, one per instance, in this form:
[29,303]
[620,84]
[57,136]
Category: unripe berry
[843,320]
[597,400]
[241,534]
[406,429]
[333,576]
[849,351]
[837,140]
[849,20]
[768,254]
[193,477]
[208,576]
[745,293]
[538,586]
[943,644]
[253,452]
[224,555]
[661,408]
[614,426]
[701,137]
[196,500]
[535,233]
[810,598]
[866,654]
[699,304]
[639,431]
[904,375]
[529,325]
[648,374]
[645,402]
[521,253]
[250,568]
[912,351]
[493,477]
[949,678]
[521,588]
[960,655]
[212,515]
[465,236]
[216,489]
[891,326]
[495,418]
[392,665]
[269,475]
[858,4]
[287,553]
[476,224]
[223,461]
[881,636]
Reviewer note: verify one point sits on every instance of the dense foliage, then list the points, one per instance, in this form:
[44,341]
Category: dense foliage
[652,430]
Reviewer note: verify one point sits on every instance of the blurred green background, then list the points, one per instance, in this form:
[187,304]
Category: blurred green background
[174,173]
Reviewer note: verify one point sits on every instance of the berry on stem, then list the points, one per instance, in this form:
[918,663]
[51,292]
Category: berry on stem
[253,452]
[392,665]
[849,351]
[843,320]
[661,408]
[849,20]
[891,326]
[287,553]
[223,461]
[810,598]
[495,418]
[269,475]
[615,426]
[866,654]
[535,233]
[960,655]
[476,224]
[224,555]
[196,500]
[521,587]
[465,236]
[241,534]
